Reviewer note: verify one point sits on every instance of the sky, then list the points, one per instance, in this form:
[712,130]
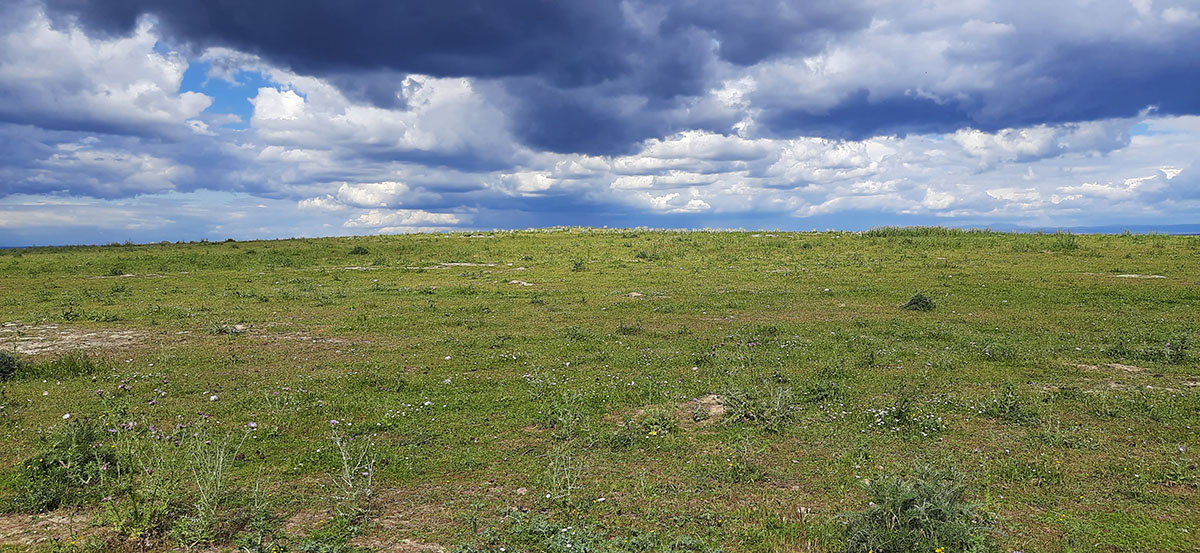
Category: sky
[148,120]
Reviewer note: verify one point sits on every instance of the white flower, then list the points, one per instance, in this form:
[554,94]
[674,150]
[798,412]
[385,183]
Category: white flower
[212,397]
[66,416]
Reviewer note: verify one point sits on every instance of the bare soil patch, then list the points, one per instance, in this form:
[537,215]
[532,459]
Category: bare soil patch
[32,529]
[54,338]
[1109,367]
[711,405]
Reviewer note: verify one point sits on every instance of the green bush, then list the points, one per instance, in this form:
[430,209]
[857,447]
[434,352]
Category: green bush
[73,466]
[10,365]
[926,513]
[359,250]
[919,302]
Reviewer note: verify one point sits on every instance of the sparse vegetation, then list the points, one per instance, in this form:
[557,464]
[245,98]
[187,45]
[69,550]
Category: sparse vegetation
[648,391]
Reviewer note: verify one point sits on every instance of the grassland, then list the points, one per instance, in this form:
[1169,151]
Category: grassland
[600,390]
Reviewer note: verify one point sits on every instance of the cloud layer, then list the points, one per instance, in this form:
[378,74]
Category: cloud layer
[397,117]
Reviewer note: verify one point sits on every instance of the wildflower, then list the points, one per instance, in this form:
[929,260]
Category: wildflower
[212,397]
[253,425]
[66,416]
[333,422]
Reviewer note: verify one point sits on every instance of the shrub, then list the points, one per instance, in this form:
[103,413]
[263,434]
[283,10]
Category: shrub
[1064,242]
[926,513]
[359,250]
[10,365]
[72,466]
[919,302]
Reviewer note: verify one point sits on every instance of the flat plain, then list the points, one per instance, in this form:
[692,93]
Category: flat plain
[604,390]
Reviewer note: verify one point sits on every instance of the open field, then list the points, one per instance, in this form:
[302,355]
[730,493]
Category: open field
[600,390]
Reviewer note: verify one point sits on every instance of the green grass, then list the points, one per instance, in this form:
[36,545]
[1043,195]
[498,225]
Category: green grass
[376,389]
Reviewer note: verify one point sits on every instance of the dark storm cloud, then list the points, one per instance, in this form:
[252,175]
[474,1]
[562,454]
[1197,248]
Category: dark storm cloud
[858,116]
[569,58]
[572,43]
[599,77]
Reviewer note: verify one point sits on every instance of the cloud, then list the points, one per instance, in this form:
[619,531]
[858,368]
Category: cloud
[640,112]
[66,80]
[378,218]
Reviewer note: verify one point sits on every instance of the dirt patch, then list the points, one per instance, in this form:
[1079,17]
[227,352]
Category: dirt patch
[520,283]
[402,546]
[52,338]
[33,529]
[636,294]
[709,409]
[305,521]
[130,275]
[449,265]
[1109,367]
[1130,275]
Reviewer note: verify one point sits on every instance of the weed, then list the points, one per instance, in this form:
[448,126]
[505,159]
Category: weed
[1038,472]
[149,496]
[1009,406]
[226,329]
[566,416]
[564,471]
[765,403]
[355,481]
[208,460]
[262,533]
[574,333]
[625,436]
[928,512]
[74,465]
[734,464]
[905,416]
[332,537]
[659,421]
[625,329]
[1056,435]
